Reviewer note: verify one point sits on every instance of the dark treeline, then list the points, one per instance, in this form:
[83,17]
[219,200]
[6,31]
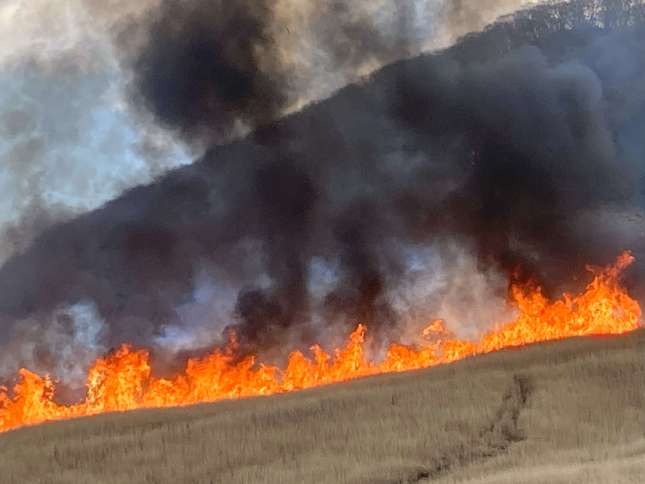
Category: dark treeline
[547,23]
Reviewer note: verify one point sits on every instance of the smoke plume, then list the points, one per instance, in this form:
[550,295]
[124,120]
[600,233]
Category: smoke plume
[66,67]
[518,151]
[212,69]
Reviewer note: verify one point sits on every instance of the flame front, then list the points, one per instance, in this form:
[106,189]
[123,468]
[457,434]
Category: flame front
[123,380]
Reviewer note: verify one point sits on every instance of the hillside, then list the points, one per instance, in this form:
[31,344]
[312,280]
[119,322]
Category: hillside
[571,411]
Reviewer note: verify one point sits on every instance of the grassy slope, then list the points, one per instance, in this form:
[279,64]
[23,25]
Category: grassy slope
[572,411]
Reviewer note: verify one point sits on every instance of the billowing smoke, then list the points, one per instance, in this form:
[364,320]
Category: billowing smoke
[212,69]
[71,140]
[516,151]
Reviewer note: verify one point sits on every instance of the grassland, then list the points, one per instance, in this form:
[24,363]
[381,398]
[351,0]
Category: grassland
[566,412]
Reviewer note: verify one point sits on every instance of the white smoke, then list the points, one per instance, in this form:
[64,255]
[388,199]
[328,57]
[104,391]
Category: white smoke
[62,345]
[410,28]
[445,282]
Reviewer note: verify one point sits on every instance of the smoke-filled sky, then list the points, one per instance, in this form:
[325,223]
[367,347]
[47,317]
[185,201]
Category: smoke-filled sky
[71,139]
[409,194]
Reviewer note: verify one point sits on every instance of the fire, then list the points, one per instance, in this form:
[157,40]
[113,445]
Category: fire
[123,380]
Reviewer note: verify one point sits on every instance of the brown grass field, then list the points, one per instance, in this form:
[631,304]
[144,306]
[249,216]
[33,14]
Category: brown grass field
[565,412]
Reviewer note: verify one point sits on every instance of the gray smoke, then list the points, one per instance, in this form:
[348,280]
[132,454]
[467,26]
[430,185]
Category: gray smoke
[65,68]
[516,151]
[68,142]
[212,69]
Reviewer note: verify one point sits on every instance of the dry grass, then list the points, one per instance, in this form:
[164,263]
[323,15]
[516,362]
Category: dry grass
[572,411]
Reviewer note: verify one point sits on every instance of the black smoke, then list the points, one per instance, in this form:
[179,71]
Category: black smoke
[210,64]
[209,67]
[523,142]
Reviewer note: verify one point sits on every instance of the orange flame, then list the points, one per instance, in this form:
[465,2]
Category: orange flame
[123,380]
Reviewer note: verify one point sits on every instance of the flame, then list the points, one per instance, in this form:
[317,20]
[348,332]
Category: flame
[123,380]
